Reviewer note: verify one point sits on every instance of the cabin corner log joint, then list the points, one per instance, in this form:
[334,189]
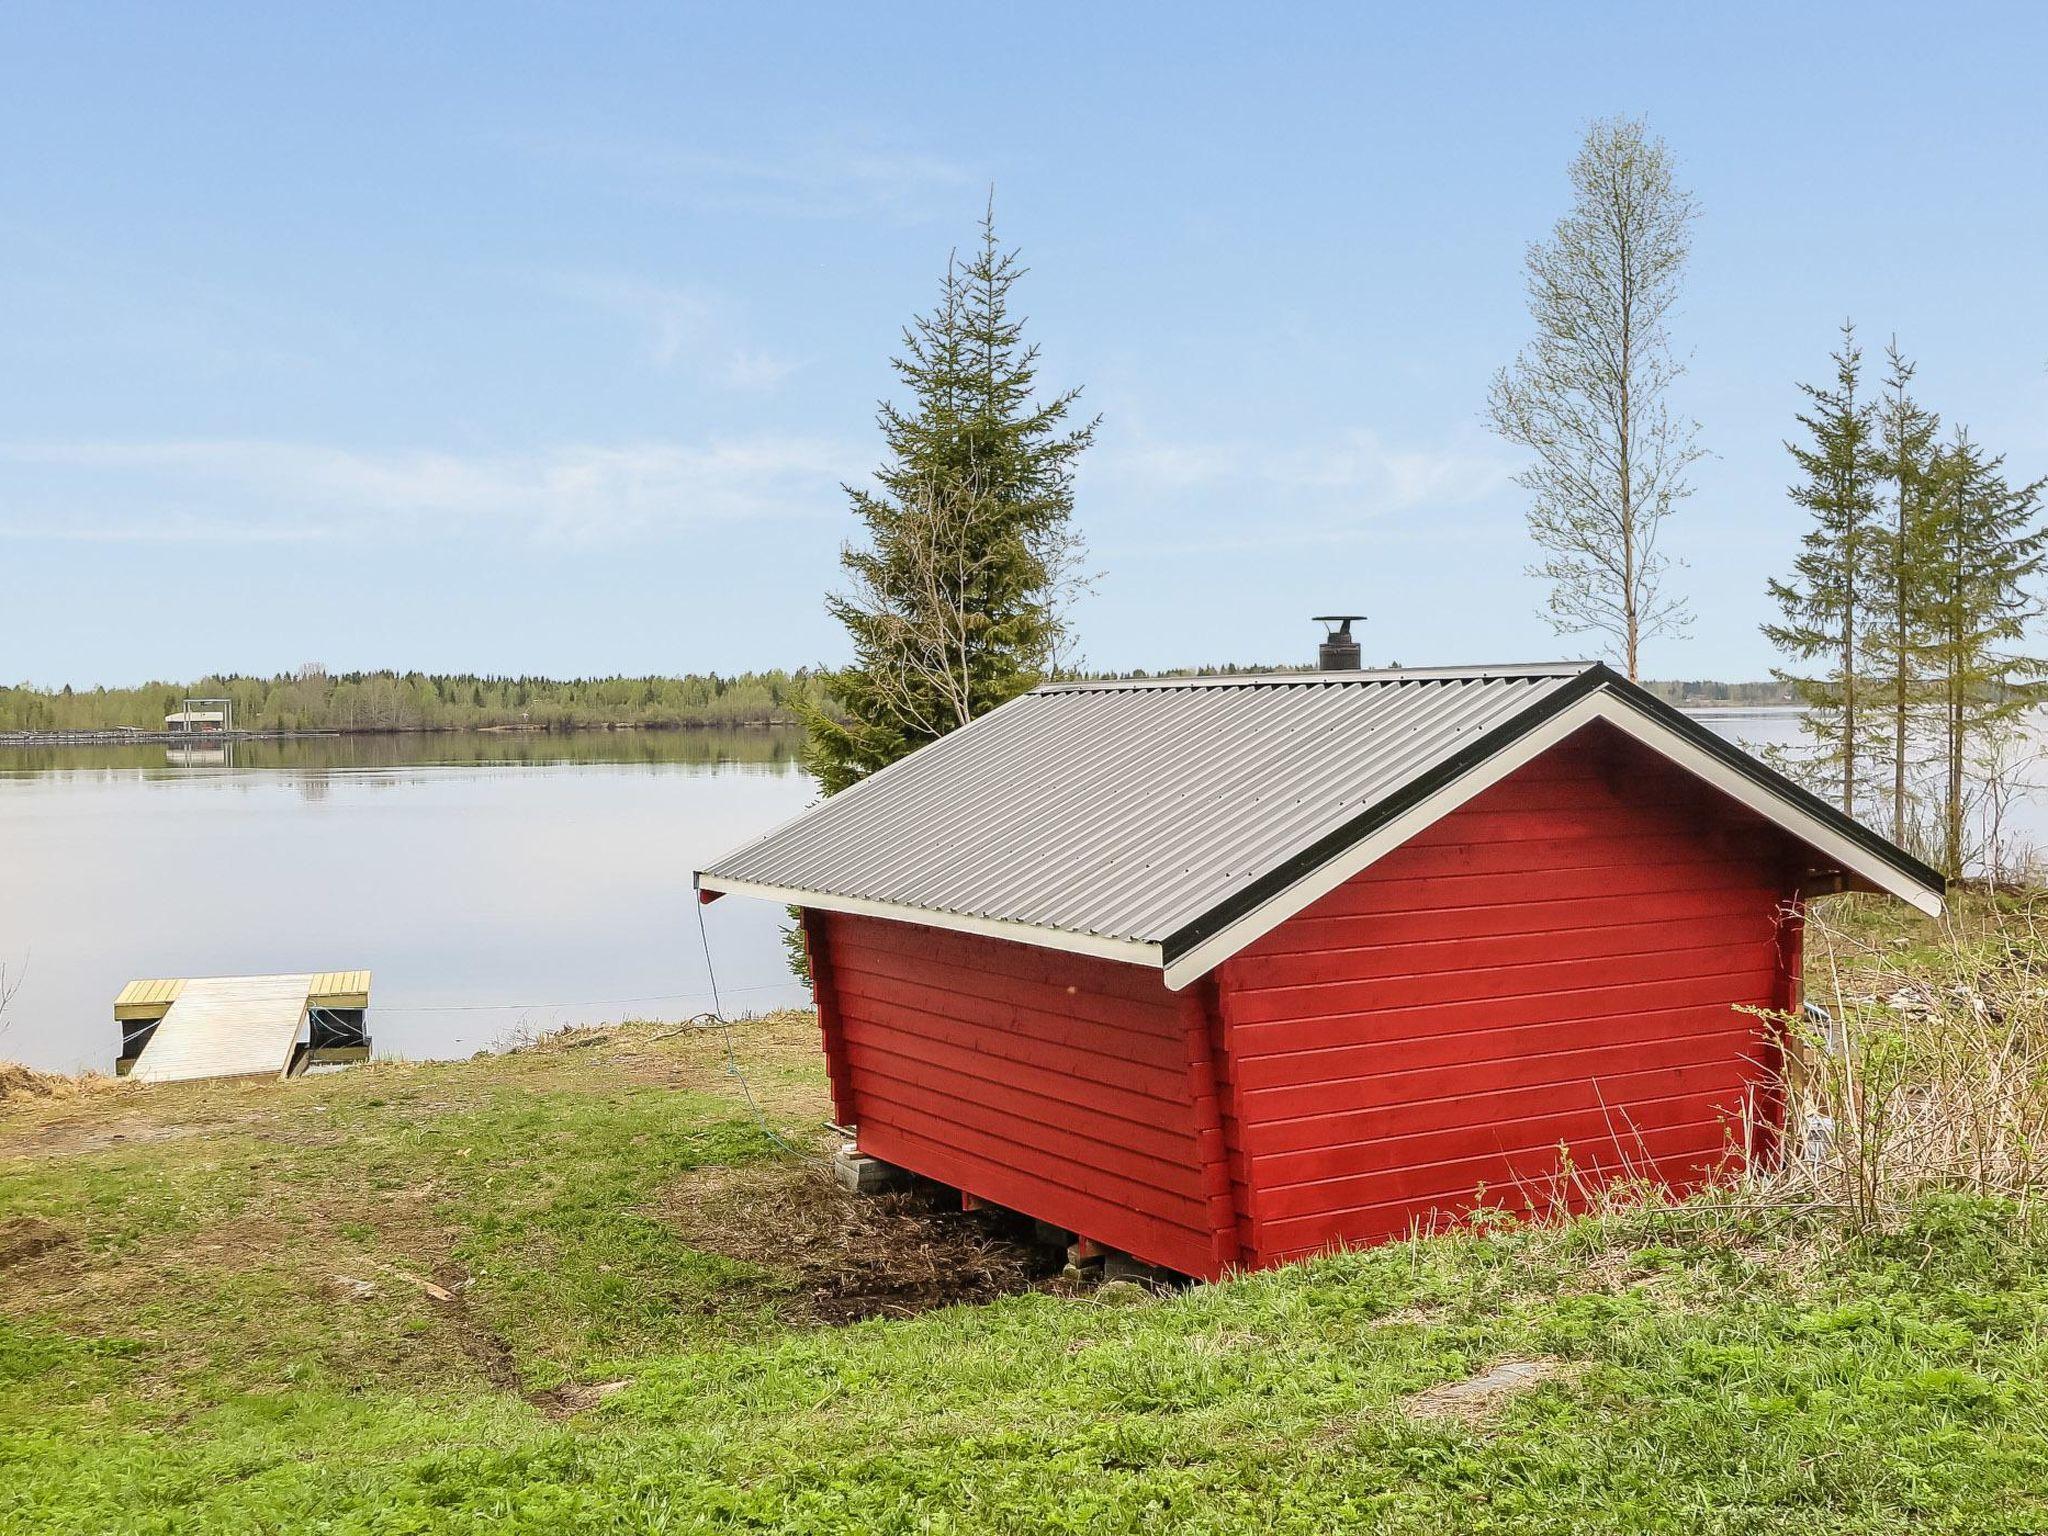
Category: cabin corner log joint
[1221,972]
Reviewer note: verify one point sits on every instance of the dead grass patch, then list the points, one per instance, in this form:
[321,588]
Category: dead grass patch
[833,1257]
[20,1084]
[1479,1397]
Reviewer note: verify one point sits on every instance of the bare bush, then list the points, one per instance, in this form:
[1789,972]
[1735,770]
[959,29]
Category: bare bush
[1927,1073]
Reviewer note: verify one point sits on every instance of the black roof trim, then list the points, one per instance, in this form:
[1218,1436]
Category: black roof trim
[1876,844]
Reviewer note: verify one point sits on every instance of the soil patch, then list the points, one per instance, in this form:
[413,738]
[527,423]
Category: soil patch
[835,1257]
[28,1237]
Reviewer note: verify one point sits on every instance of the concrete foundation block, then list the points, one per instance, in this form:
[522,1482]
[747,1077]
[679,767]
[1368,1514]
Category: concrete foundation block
[864,1175]
[1121,1266]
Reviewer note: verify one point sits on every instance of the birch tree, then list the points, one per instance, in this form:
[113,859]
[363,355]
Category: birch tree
[1589,395]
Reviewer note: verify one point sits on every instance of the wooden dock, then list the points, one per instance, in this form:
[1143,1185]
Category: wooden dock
[232,1026]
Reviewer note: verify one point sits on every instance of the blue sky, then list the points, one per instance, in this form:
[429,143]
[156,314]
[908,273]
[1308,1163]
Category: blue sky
[531,338]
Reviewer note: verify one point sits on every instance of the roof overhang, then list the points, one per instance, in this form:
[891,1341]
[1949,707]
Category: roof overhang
[1130,951]
[1599,694]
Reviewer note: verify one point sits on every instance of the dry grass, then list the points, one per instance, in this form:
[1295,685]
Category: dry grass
[1931,1075]
[19,1084]
[1477,1398]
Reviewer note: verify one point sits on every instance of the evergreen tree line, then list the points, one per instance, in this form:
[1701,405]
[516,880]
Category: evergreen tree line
[416,701]
[1907,610]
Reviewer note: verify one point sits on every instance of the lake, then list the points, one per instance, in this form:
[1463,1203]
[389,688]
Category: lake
[496,884]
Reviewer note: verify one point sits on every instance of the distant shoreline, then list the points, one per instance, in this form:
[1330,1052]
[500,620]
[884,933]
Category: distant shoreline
[141,738]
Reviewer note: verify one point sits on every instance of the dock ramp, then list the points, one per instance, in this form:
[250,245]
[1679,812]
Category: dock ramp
[231,1026]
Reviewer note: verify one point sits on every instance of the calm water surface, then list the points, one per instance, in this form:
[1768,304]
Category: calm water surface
[495,884]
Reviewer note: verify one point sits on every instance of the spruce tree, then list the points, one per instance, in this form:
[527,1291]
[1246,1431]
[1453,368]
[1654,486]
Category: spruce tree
[1985,545]
[1827,598]
[1895,636]
[956,599]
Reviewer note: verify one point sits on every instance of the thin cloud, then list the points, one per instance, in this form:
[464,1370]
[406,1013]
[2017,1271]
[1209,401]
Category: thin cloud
[1332,486]
[678,326]
[270,491]
[817,179]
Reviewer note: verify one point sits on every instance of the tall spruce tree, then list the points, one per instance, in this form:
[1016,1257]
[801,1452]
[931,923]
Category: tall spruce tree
[1985,545]
[957,599]
[1895,637]
[1826,600]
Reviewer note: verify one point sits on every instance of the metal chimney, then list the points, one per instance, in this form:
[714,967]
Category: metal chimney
[1338,652]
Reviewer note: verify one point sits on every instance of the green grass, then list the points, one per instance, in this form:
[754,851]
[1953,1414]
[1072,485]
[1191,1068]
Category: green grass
[179,1360]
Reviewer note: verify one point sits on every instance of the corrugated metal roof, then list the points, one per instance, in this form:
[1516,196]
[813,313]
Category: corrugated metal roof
[1127,811]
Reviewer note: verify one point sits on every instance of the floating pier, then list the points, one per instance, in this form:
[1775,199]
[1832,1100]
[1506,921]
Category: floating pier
[176,1030]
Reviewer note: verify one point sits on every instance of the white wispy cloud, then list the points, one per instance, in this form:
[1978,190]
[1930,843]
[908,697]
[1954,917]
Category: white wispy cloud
[229,490]
[841,177]
[1352,485]
[679,326]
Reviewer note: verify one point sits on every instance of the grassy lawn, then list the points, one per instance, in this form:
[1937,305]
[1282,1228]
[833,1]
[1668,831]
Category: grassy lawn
[580,1288]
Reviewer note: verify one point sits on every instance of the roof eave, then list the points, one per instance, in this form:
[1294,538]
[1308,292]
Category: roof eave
[1128,951]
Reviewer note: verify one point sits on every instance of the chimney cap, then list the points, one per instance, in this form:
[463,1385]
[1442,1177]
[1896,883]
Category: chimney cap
[1339,652]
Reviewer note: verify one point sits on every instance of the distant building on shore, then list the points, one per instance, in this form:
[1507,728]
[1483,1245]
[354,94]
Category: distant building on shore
[196,722]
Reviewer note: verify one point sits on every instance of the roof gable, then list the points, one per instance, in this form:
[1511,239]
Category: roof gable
[1171,822]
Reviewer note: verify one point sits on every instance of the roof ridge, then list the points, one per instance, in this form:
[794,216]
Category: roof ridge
[1309,677]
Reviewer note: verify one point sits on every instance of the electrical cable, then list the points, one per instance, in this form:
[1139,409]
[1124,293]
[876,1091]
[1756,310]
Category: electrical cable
[732,1060]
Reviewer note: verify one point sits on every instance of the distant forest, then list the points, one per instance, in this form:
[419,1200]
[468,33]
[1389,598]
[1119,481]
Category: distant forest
[312,700]
[425,701]
[1688,693]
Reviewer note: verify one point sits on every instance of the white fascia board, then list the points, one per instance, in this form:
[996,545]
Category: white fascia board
[1129,951]
[1311,887]
[1808,829]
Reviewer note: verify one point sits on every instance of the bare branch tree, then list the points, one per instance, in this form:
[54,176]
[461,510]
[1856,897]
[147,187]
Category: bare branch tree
[10,983]
[1587,395]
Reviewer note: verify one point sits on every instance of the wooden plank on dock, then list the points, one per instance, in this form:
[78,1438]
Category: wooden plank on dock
[146,1000]
[340,989]
[227,1026]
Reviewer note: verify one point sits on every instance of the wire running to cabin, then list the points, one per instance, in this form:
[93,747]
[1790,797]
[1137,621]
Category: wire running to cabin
[732,1060]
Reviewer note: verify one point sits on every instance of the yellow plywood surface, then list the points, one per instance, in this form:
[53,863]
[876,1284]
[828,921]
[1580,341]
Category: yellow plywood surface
[146,999]
[152,999]
[341,989]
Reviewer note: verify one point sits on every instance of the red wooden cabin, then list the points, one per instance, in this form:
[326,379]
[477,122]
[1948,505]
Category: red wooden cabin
[1223,971]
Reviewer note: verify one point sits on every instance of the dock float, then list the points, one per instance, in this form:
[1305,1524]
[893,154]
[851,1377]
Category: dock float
[177,1030]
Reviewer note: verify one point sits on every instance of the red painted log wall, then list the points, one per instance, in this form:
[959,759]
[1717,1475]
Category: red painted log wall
[1561,963]
[1050,1083]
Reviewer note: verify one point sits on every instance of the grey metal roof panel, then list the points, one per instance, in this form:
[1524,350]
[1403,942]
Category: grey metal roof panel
[1127,811]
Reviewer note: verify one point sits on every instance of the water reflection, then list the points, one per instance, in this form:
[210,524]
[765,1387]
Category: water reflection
[331,754]
[496,883]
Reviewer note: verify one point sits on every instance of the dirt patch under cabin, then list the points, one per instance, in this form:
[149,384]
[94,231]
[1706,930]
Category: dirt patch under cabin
[832,1257]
